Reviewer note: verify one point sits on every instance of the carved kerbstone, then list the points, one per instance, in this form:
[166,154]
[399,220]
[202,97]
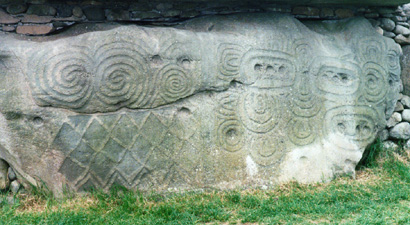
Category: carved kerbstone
[216,102]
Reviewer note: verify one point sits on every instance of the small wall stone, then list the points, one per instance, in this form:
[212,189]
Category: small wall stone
[35,29]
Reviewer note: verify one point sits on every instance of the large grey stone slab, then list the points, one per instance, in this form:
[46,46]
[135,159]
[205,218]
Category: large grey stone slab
[220,101]
[405,65]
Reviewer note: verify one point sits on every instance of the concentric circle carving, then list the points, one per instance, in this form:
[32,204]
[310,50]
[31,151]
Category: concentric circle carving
[230,135]
[258,111]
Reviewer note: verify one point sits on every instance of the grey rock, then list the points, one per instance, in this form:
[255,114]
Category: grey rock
[387,15]
[16,8]
[401,39]
[405,100]
[406,146]
[375,23]
[386,10]
[390,145]
[41,10]
[10,200]
[371,15]
[327,12]
[64,10]
[190,14]
[404,24]
[406,115]
[218,101]
[145,15]
[117,15]
[405,70]
[400,131]
[94,13]
[36,1]
[141,7]
[379,30]
[387,24]
[344,13]
[15,187]
[306,11]
[394,119]
[4,181]
[383,135]
[401,86]
[402,30]
[78,12]
[399,107]
[389,34]
[11,174]
[399,18]
[164,6]
[171,13]
[406,10]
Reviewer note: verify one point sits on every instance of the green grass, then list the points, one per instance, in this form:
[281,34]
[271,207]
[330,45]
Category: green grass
[380,194]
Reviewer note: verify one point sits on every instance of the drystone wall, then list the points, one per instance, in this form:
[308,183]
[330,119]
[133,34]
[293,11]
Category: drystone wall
[35,17]
[254,98]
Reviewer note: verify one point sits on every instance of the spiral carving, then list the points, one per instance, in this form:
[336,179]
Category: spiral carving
[123,74]
[175,83]
[63,79]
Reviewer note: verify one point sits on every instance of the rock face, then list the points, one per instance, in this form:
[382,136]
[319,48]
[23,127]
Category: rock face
[405,65]
[216,102]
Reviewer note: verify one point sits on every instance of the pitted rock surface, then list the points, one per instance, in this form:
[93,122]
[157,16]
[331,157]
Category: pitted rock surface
[224,101]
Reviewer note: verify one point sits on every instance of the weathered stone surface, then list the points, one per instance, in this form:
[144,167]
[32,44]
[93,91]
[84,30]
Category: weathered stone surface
[78,12]
[36,19]
[307,11]
[327,12]
[14,187]
[405,70]
[405,101]
[215,102]
[94,13]
[11,174]
[8,28]
[5,18]
[383,135]
[4,180]
[399,107]
[344,13]
[16,8]
[389,34]
[379,30]
[35,29]
[42,10]
[402,30]
[401,131]
[117,15]
[394,119]
[390,145]
[403,40]
[406,115]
